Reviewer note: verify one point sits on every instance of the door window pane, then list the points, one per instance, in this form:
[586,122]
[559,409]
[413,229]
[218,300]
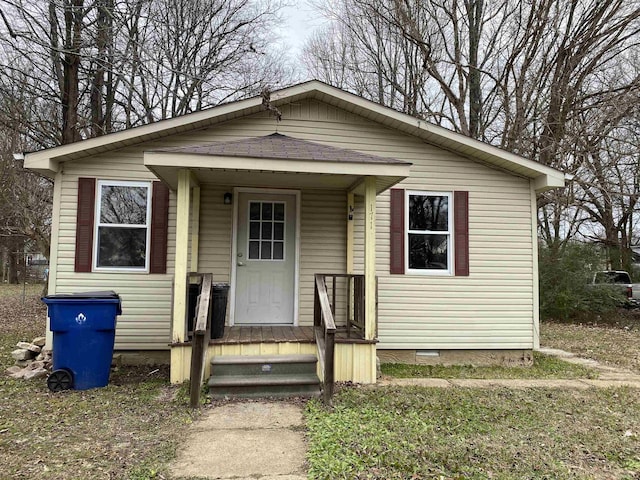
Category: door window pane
[278,211]
[254,210]
[267,231]
[254,250]
[267,210]
[278,250]
[265,252]
[254,230]
[278,231]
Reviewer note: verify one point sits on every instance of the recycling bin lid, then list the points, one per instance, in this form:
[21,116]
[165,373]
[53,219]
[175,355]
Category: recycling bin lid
[107,294]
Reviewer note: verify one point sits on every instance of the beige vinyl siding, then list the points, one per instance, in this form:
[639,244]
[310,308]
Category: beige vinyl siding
[323,247]
[215,233]
[146,299]
[492,308]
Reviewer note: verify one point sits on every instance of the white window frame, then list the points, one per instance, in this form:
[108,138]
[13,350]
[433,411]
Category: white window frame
[449,233]
[98,224]
[284,232]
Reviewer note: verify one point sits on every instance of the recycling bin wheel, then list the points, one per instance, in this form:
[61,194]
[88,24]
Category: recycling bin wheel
[60,380]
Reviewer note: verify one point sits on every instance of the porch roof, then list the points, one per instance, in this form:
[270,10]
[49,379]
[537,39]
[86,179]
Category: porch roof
[283,147]
[283,162]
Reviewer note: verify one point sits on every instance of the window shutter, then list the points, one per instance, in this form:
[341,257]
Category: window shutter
[461,232]
[159,228]
[397,231]
[84,224]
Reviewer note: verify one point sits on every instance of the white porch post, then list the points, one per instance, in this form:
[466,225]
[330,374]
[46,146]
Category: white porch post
[180,357]
[370,257]
[182,256]
[195,227]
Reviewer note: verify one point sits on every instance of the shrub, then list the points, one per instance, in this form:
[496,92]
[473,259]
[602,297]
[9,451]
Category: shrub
[565,283]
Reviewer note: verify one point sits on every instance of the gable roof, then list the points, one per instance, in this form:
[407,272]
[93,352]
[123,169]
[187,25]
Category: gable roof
[47,161]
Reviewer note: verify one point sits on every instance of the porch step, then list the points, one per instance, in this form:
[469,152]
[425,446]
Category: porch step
[264,375]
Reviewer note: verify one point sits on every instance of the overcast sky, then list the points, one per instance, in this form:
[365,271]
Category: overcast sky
[300,21]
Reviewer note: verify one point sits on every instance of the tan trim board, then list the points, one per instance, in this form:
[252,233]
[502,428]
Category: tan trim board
[534,261]
[53,248]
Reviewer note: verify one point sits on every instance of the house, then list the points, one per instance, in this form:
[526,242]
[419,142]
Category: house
[425,238]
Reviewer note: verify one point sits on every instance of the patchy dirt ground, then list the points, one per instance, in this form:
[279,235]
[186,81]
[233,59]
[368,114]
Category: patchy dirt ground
[611,343]
[128,430]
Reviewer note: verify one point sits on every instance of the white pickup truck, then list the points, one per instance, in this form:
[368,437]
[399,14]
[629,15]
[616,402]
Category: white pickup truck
[621,280]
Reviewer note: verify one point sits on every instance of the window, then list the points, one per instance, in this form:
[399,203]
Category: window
[266,230]
[429,232]
[123,215]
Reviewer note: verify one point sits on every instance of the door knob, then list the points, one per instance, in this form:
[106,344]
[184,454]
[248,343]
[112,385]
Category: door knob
[241,264]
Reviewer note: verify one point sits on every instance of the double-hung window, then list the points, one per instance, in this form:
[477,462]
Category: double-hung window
[123,214]
[428,232]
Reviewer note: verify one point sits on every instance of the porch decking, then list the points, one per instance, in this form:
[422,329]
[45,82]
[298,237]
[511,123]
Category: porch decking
[279,334]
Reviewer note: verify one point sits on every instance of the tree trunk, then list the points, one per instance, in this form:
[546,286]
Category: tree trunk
[475,13]
[73,13]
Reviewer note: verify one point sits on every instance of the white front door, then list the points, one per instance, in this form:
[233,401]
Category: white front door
[265,259]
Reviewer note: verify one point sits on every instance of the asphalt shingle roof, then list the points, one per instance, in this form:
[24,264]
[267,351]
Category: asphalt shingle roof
[282,147]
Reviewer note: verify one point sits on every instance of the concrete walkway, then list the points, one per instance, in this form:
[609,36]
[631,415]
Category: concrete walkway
[608,377]
[264,440]
[257,440]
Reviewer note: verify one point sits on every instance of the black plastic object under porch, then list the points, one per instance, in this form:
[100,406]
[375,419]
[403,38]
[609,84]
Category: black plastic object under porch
[220,297]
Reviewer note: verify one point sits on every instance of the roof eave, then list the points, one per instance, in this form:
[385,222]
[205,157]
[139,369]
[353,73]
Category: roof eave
[439,136]
[430,133]
[44,166]
[544,183]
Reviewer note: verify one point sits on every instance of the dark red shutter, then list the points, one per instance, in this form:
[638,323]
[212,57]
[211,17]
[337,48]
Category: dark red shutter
[397,231]
[461,232]
[84,224]
[159,228]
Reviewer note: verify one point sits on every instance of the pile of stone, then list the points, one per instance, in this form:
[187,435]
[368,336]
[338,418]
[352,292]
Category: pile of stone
[32,360]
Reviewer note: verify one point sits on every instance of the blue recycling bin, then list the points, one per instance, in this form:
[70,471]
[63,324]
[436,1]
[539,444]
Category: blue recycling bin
[84,328]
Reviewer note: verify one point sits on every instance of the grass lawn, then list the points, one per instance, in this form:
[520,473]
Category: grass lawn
[543,366]
[128,430]
[611,345]
[464,433]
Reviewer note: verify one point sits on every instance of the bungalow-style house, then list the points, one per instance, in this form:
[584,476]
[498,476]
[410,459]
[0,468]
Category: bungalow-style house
[420,241]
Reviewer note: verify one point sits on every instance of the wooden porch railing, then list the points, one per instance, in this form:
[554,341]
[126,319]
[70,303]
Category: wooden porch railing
[354,292]
[324,319]
[201,334]
[325,333]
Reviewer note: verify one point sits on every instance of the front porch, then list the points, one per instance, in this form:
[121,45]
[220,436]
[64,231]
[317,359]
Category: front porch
[352,354]
[266,335]
[301,198]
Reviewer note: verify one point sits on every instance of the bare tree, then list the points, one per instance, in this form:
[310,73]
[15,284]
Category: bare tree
[539,79]
[72,69]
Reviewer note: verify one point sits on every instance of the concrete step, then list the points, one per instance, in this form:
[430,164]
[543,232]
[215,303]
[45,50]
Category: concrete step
[288,391]
[263,365]
[264,376]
